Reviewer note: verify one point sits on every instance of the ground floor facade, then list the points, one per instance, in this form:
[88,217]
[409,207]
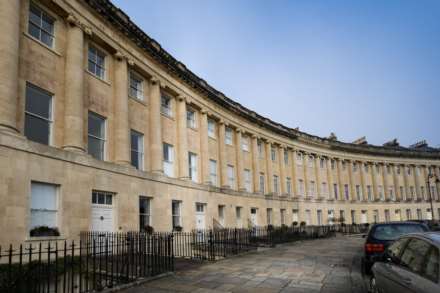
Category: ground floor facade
[45,186]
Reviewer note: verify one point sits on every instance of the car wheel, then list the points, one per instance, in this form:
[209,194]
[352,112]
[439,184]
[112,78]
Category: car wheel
[373,285]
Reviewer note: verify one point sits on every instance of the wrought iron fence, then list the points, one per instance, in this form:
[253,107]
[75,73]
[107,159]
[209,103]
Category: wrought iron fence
[96,262]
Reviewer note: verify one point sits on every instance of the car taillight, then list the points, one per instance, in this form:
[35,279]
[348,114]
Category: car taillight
[373,247]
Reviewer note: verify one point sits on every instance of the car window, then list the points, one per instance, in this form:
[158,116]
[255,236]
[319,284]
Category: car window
[392,232]
[414,254]
[432,263]
[396,248]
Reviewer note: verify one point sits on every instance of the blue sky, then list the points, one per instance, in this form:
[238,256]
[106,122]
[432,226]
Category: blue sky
[351,67]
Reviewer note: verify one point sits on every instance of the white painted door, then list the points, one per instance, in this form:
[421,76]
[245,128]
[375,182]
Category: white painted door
[102,212]
[364,219]
[102,218]
[254,221]
[200,216]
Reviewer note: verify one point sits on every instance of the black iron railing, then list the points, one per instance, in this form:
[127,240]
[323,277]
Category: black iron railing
[96,262]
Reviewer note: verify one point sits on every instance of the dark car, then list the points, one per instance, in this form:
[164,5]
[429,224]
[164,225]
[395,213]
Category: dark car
[410,265]
[380,236]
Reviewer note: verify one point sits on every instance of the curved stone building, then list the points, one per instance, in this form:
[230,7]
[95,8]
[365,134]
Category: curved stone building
[102,129]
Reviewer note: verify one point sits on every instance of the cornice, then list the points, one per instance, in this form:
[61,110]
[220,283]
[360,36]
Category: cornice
[123,23]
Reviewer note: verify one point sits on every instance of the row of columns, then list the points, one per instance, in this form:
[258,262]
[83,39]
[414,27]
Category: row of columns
[74,121]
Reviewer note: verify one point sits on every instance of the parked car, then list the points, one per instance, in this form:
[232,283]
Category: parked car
[380,236]
[411,264]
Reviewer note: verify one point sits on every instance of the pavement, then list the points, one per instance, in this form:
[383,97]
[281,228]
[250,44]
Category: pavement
[321,265]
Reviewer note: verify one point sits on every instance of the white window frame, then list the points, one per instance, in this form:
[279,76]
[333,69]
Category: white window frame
[286,157]
[147,214]
[191,117]
[229,137]
[289,185]
[213,172]
[35,209]
[231,176]
[168,165]
[39,26]
[177,215]
[301,187]
[273,154]
[262,183]
[166,107]
[211,129]
[50,119]
[137,91]
[140,151]
[103,139]
[192,166]
[245,143]
[96,52]
[276,184]
[247,180]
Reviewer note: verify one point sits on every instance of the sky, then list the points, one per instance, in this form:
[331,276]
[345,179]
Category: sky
[355,68]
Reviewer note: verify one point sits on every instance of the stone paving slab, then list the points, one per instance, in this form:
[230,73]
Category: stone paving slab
[323,265]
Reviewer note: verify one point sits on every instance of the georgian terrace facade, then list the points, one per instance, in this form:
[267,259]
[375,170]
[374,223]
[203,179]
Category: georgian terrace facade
[101,129]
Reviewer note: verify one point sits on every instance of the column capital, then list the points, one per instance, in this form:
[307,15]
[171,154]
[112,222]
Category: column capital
[239,130]
[119,56]
[155,81]
[182,98]
[203,111]
[74,21]
[254,136]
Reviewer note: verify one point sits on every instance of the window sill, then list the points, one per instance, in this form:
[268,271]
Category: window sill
[52,50]
[193,128]
[212,137]
[98,78]
[138,101]
[44,238]
[167,116]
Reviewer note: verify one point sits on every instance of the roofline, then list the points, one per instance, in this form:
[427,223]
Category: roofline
[122,22]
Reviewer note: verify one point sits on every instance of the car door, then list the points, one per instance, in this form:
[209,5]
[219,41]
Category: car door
[385,272]
[406,276]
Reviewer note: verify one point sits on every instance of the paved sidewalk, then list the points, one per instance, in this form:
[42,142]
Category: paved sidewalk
[324,265]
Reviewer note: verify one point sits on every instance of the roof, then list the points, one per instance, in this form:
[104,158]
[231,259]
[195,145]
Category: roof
[123,23]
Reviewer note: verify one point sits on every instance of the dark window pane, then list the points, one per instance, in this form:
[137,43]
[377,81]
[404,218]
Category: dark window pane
[101,198]
[432,264]
[135,159]
[96,148]
[91,67]
[94,200]
[46,38]
[34,15]
[134,141]
[108,199]
[36,129]
[38,102]
[144,205]
[96,126]
[34,31]
[47,24]
[92,54]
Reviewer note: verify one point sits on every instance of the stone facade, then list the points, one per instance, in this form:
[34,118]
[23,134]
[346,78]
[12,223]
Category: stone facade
[305,178]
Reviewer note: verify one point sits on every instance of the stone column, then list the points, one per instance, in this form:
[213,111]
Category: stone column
[255,163]
[363,186]
[9,64]
[374,180]
[405,181]
[385,181]
[204,147]
[417,181]
[269,170]
[425,178]
[239,158]
[74,88]
[318,175]
[156,144]
[329,178]
[282,170]
[396,183]
[353,195]
[306,177]
[340,185]
[122,127]
[222,155]
[436,171]
[182,140]
[294,177]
